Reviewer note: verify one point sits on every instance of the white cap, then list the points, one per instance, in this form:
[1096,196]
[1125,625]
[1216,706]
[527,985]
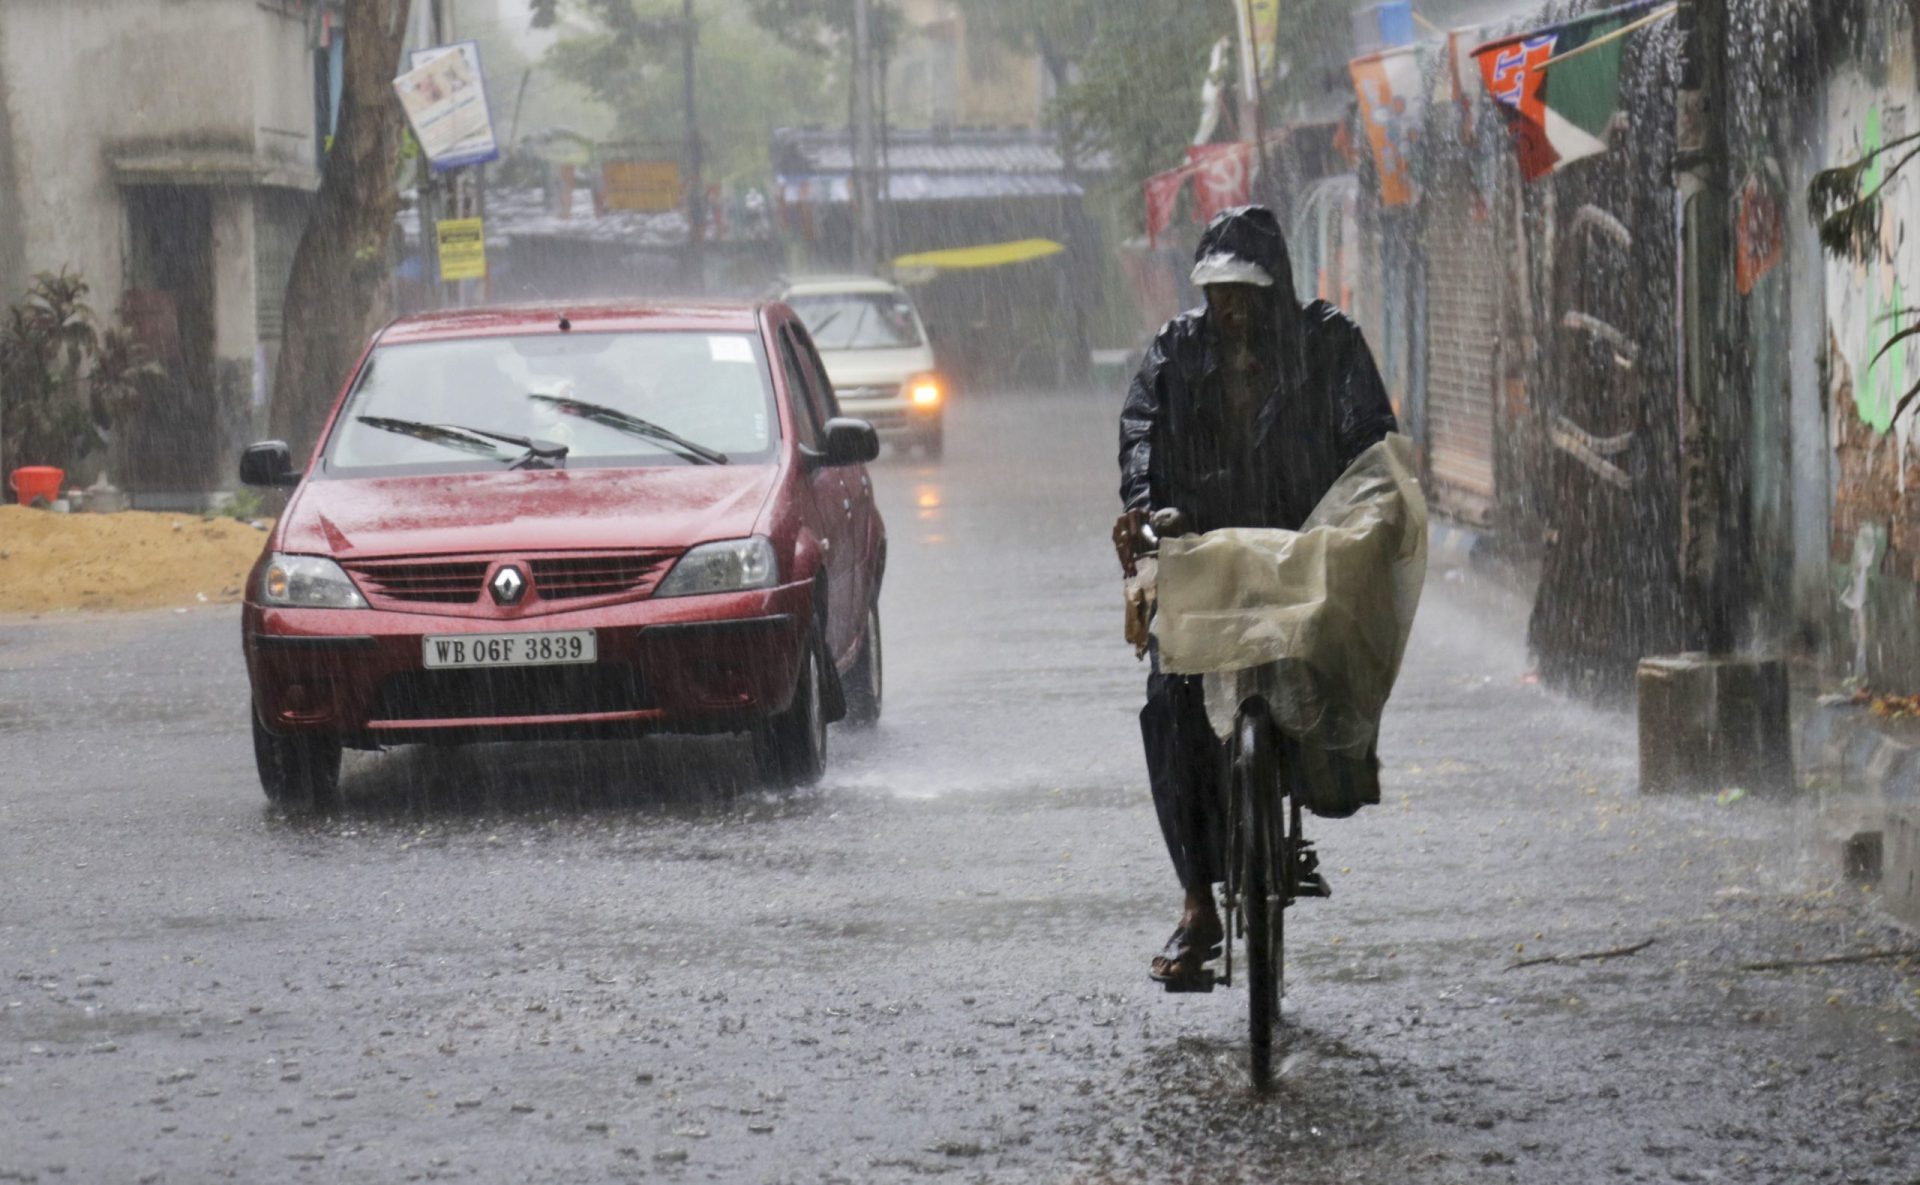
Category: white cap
[1223,268]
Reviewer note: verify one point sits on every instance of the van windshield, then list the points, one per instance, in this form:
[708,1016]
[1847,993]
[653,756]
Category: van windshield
[859,320]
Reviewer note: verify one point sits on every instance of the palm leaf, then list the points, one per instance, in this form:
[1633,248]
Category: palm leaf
[1910,331]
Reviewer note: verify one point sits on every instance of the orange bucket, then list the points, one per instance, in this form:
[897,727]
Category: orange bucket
[36,481]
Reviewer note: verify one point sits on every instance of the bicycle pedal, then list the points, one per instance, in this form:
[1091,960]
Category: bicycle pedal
[1312,884]
[1204,981]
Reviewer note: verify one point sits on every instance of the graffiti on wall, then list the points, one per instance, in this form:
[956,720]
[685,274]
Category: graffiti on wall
[1867,302]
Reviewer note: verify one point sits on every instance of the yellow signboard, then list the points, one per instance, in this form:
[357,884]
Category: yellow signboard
[463,250]
[649,186]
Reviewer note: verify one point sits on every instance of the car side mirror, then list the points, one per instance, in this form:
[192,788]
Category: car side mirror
[850,442]
[268,463]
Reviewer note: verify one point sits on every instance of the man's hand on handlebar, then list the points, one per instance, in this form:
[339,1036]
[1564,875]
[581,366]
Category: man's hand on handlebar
[1138,533]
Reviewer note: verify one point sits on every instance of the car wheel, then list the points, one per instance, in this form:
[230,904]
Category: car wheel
[866,683]
[791,748]
[934,444]
[299,773]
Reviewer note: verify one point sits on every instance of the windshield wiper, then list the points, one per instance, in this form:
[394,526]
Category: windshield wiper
[541,453]
[815,331]
[619,421]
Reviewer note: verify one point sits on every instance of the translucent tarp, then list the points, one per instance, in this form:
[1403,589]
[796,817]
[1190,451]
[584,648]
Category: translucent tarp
[1314,620]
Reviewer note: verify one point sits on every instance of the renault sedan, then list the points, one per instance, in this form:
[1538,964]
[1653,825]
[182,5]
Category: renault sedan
[547,524]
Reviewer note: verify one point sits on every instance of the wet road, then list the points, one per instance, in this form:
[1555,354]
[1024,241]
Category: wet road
[568,964]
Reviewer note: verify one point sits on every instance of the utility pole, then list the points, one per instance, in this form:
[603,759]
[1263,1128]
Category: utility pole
[1253,122]
[696,260]
[866,236]
[1712,394]
[1711,719]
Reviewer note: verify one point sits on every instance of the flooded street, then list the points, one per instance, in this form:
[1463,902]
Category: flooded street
[576,963]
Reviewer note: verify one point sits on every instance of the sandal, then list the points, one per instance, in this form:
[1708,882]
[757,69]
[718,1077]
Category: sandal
[1182,960]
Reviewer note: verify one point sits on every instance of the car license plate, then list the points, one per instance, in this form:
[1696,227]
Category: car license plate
[508,650]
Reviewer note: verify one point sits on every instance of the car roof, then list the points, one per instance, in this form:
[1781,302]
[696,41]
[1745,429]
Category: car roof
[823,285]
[582,317]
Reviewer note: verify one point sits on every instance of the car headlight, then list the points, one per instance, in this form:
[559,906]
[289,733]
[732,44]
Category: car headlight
[925,391]
[732,566]
[308,582]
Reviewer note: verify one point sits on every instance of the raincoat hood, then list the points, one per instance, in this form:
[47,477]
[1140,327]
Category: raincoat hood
[1243,238]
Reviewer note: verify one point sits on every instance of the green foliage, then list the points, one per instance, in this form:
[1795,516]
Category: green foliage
[1138,88]
[44,344]
[245,504]
[55,360]
[747,81]
[1849,220]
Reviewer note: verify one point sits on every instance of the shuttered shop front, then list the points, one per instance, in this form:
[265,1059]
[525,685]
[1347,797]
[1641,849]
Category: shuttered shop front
[1463,318]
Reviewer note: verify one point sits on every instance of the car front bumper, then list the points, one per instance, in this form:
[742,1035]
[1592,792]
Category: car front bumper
[716,663]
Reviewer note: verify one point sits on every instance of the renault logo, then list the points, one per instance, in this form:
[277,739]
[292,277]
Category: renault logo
[508,586]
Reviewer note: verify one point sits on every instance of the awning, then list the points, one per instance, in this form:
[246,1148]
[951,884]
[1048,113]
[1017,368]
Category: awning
[984,256]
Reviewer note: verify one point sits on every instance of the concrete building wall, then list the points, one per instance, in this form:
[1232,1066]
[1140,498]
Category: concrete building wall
[107,107]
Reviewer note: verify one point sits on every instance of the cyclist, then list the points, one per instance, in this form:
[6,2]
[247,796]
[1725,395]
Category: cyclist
[1243,414]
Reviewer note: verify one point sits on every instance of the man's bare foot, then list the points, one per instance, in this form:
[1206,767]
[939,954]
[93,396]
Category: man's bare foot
[1195,941]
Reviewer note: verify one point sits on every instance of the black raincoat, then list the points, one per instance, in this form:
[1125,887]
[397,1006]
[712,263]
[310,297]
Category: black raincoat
[1181,448]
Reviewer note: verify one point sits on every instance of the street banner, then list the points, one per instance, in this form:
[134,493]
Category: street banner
[1163,197]
[1222,177]
[1392,108]
[463,249]
[1264,17]
[648,186]
[445,97]
[1559,87]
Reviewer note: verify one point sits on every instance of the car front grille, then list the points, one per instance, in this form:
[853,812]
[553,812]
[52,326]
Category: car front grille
[461,580]
[560,578]
[443,582]
[491,692]
[859,394]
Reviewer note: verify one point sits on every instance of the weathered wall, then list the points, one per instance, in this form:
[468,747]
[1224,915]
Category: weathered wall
[101,96]
[1875,536]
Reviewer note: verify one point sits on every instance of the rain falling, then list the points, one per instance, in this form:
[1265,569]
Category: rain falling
[1049,591]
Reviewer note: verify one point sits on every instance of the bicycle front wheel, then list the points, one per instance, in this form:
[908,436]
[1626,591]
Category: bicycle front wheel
[1256,770]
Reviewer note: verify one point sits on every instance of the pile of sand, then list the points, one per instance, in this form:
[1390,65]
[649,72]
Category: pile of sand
[132,560]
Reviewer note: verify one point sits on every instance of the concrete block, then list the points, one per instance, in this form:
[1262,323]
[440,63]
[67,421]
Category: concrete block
[1712,722]
[1900,863]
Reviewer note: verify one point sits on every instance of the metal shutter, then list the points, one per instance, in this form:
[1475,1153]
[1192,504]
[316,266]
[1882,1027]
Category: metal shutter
[1463,318]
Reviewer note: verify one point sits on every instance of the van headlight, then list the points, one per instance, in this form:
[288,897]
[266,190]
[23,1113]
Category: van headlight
[734,565]
[308,582]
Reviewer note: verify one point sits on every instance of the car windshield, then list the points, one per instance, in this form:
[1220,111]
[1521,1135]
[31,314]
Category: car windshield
[599,400]
[858,320]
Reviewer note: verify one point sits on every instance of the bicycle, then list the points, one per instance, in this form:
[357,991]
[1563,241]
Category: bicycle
[1270,863]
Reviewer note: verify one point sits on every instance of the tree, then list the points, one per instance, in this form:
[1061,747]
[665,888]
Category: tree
[639,77]
[53,351]
[337,292]
[1138,78]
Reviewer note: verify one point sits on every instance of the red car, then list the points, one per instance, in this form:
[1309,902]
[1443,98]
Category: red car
[541,524]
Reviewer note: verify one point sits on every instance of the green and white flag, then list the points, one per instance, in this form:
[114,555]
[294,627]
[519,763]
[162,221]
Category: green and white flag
[1559,87]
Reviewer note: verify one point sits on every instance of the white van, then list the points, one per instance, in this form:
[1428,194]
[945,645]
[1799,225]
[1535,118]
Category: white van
[877,353]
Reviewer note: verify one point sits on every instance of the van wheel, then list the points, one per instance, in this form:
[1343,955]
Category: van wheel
[866,683]
[791,748]
[934,443]
[300,773]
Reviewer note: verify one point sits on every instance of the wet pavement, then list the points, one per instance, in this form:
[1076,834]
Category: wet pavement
[601,964]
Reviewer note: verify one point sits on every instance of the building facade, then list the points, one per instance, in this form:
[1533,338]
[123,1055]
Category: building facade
[166,152]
